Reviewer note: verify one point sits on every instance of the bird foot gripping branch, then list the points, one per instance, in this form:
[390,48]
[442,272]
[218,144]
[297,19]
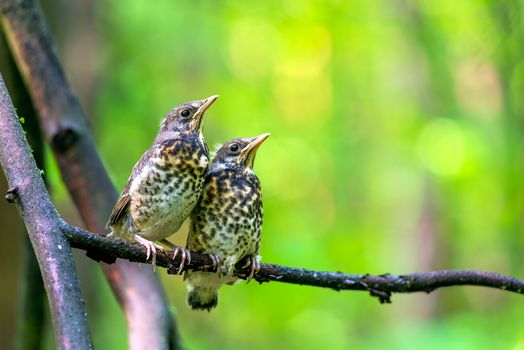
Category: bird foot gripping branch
[185,255]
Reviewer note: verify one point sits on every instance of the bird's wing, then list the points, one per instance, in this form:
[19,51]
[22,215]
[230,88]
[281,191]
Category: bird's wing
[122,204]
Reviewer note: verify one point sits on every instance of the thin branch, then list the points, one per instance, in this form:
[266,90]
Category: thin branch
[65,127]
[44,227]
[380,286]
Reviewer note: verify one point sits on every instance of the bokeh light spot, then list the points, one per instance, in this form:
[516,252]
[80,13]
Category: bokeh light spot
[304,100]
[306,53]
[252,48]
[441,147]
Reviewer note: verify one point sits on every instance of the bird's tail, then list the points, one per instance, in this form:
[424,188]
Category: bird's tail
[202,298]
[202,290]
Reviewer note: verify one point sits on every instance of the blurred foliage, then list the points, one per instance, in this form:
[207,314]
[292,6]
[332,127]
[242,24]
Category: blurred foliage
[396,147]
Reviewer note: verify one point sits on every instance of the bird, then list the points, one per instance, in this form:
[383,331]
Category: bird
[165,183]
[227,220]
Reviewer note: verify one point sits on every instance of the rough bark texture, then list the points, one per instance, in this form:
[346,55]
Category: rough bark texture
[44,225]
[66,129]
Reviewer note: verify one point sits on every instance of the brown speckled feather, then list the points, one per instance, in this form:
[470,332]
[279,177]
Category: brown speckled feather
[122,204]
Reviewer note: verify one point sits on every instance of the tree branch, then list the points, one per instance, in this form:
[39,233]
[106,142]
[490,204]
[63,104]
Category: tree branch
[44,227]
[380,286]
[65,127]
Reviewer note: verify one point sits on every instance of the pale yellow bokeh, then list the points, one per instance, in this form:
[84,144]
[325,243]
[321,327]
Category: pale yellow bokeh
[306,53]
[253,48]
[441,147]
[303,100]
[302,85]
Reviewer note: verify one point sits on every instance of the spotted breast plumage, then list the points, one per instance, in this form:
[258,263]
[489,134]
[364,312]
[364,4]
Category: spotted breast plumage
[227,220]
[166,182]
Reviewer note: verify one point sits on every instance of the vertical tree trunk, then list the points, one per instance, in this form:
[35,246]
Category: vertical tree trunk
[30,288]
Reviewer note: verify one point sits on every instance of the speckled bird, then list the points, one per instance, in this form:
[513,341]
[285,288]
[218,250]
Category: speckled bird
[227,220]
[165,183]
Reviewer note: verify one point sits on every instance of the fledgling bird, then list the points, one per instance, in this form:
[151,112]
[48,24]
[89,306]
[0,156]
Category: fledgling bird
[227,220]
[165,183]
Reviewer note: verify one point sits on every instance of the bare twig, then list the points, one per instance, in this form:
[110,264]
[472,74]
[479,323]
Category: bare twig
[44,227]
[65,127]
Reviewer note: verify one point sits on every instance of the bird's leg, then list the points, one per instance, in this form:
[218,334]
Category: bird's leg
[185,255]
[151,248]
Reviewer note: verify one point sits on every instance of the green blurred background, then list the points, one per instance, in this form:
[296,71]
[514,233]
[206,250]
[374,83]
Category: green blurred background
[397,146]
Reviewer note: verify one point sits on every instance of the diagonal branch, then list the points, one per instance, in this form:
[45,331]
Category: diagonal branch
[44,227]
[65,127]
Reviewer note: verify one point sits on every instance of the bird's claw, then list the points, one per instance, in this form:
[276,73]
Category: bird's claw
[216,261]
[255,267]
[185,256]
[151,249]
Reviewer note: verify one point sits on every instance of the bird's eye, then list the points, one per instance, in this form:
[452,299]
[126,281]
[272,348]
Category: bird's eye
[185,113]
[233,147]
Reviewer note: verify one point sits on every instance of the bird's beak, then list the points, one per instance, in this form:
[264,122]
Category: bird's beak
[249,152]
[199,115]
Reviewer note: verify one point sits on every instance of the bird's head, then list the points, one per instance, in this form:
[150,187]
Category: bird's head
[239,152]
[187,117]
